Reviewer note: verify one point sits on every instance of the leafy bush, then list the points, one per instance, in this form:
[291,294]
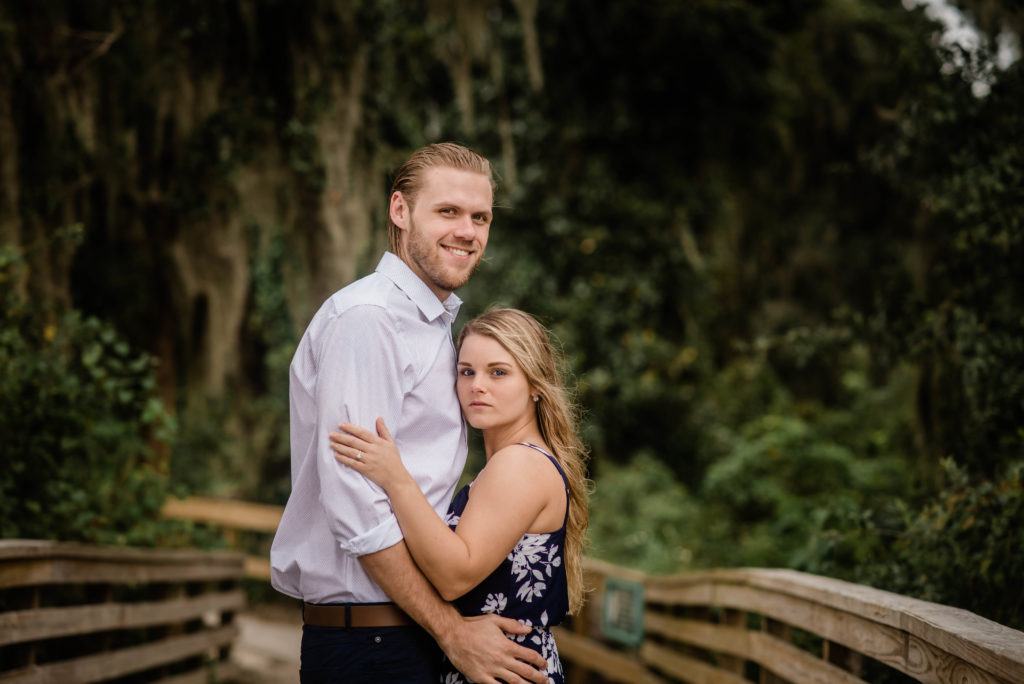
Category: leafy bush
[84,437]
[641,517]
[763,500]
[964,548]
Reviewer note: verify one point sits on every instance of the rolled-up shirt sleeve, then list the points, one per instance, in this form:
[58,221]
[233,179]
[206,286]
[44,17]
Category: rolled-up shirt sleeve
[363,372]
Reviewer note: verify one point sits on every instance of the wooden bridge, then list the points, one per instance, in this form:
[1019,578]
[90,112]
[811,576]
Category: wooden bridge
[70,613]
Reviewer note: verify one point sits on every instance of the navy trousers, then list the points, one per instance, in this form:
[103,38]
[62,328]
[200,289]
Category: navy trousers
[367,655]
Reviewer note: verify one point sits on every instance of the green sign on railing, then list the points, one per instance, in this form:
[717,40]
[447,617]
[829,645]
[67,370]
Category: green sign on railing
[622,611]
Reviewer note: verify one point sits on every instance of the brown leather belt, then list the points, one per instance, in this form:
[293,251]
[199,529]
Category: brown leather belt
[355,615]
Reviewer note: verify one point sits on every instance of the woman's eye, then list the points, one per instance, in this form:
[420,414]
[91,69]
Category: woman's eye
[499,372]
[465,371]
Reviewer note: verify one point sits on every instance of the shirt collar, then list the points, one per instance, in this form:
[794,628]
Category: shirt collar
[416,290]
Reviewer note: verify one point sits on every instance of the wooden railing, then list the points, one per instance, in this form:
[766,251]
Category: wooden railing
[78,613]
[233,518]
[773,625]
[739,625]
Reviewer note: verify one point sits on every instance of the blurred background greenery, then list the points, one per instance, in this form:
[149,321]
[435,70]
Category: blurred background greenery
[781,243]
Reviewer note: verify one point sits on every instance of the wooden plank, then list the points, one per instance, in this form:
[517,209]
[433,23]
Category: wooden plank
[798,665]
[893,646]
[598,658]
[988,645]
[970,637]
[793,664]
[599,569]
[240,515]
[905,652]
[22,549]
[927,663]
[854,631]
[732,641]
[29,572]
[47,623]
[684,667]
[257,567]
[111,664]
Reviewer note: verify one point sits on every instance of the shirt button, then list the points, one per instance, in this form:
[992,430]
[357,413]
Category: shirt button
[376,639]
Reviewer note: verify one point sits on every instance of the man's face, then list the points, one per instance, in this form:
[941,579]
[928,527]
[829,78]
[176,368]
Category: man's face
[446,231]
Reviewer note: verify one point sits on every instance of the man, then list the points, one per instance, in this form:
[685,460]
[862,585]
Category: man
[382,347]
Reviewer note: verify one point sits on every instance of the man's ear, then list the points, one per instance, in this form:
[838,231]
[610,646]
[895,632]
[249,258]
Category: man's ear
[399,210]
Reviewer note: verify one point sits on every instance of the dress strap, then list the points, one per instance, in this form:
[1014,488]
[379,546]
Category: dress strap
[560,472]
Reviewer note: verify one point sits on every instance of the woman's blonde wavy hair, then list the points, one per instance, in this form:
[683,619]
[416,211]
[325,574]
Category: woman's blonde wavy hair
[557,416]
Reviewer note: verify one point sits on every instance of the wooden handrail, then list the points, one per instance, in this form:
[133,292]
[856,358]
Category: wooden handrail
[240,515]
[83,613]
[232,516]
[713,625]
[718,625]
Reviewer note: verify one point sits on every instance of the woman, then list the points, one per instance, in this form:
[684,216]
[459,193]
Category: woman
[512,543]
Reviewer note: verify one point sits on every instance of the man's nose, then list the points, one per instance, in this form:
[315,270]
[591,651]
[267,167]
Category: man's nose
[464,228]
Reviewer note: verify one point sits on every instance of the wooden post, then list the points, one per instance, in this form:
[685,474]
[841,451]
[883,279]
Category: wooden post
[841,656]
[783,632]
[579,675]
[738,619]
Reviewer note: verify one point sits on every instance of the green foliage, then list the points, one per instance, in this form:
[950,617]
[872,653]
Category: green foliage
[781,471]
[779,475]
[83,430]
[798,291]
[962,322]
[963,548]
[641,517]
[780,465]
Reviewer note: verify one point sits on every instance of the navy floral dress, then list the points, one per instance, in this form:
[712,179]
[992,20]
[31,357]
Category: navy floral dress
[529,586]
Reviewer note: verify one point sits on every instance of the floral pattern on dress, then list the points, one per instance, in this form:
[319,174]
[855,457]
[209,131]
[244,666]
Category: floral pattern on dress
[533,561]
[540,639]
[530,586]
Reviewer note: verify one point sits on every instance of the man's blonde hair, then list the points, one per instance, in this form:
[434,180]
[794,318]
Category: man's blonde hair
[409,179]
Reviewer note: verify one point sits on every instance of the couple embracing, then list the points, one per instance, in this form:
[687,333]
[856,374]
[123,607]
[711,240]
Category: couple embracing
[399,581]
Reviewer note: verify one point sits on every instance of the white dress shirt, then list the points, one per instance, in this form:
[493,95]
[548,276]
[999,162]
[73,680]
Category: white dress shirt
[380,347]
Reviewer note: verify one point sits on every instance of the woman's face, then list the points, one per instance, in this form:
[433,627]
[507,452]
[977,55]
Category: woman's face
[492,388]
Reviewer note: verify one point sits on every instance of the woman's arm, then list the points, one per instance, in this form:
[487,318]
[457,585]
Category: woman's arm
[507,497]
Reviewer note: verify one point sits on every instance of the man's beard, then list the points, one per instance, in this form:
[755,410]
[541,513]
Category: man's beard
[426,257]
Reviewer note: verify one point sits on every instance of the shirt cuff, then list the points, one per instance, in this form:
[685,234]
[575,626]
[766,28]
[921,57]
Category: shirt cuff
[381,537]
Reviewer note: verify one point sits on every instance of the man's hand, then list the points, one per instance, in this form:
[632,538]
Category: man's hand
[479,649]
[477,646]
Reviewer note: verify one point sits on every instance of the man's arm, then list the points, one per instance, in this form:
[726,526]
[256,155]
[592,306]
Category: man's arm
[477,647]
